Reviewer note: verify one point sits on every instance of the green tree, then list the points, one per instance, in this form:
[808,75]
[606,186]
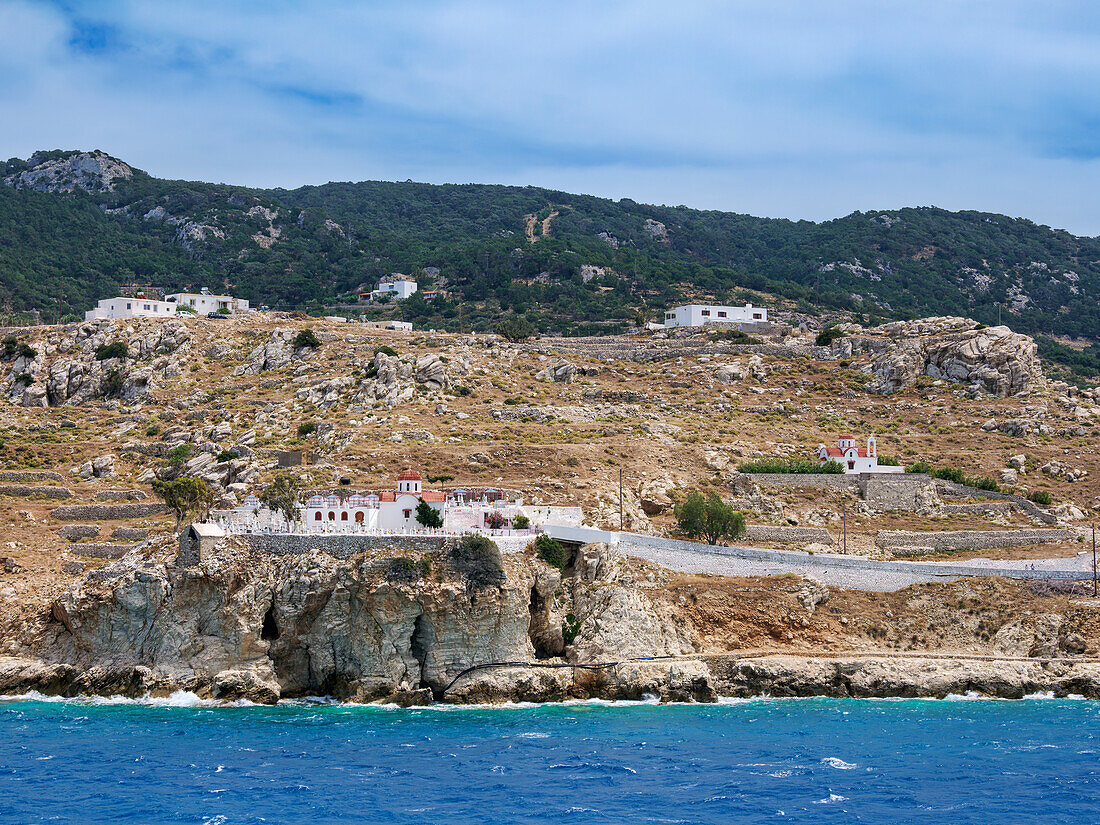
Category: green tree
[515,329]
[185,496]
[306,338]
[708,518]
[428,515]
[282,496]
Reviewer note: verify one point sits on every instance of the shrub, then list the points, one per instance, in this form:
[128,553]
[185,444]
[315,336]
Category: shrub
[226,455]
[735,336]
[152,430]
[460,390]
[108,351]
[306,428]
[440,479]
[887,461]
[178,455]
[709,518]
[828,335]
[24,378]
[223,310]
[14,348]
[112,383]
[949,474]
[550,551]
[1041,497]
[570,629]
[385,350]
[495,520]
[919,467]
[402,569]
[521,522]
[478,559]
[307,338]
[796,466]
[983,483]
[515,329]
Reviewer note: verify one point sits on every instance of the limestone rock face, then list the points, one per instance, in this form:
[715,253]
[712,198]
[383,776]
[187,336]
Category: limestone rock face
[90,171]
[560,371]
[996,359]
[244,624]
[275,353]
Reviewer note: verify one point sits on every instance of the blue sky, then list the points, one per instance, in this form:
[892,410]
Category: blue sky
[802,110]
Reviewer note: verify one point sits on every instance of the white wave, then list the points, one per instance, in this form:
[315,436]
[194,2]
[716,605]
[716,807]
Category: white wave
[176,699]
[839,764]
[831,799]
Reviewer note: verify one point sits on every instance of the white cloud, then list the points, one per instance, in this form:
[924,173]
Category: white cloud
[803,110]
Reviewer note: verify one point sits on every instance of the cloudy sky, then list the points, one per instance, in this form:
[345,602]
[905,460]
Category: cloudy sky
[795,109]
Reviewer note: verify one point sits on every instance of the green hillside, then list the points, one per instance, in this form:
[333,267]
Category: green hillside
[305,248]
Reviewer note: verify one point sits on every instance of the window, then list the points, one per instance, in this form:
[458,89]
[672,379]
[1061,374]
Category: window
[721,314]
[344,516]
[146,307]
[331,515]
[317,517]
[706,312]
[669,316]
[407,512]
[127,306]
[359,516]
[851,465]
[756,316]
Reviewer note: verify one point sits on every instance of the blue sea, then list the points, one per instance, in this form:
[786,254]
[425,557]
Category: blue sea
[180,760]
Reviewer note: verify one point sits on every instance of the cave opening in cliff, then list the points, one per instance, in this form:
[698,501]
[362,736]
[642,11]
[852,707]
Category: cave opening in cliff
[418,647]
[270,630]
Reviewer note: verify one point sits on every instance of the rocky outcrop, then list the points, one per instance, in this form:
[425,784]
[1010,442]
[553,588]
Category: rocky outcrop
[995,359]
[456,624]
[90,171]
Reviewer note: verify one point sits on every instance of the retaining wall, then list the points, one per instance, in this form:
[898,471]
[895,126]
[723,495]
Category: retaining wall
[900,540]
[783,535]
[103,512]
[42,492]
[102,551]
[73,532]
[950,489]
[343,546]
[989,508]
[30,475]
[835,481]
[121,495]
[893,491]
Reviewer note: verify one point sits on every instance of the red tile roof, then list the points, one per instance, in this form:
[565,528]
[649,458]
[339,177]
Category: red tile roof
[434,495]
[409,475]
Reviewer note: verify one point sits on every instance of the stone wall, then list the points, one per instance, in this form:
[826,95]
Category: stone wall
[41,492]
[102,551]
[949,489]
[835,481]
[120,495]
[75,532]
[30,475]
[103,512]
[131,533]
[908,543]
[893,491]
[343,546]
[988,508]
[782,535]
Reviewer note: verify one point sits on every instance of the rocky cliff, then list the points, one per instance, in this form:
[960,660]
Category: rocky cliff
[372,627]
[465,624]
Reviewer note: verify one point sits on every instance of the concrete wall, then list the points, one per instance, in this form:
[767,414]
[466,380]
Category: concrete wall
[900,540]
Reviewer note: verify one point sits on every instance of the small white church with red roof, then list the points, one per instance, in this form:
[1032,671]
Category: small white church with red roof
[855,459]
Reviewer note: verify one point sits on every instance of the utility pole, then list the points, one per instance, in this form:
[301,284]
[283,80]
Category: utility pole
[620,499]
[844,523]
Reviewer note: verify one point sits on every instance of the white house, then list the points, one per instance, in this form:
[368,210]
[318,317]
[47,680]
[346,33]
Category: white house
[398,286]
[698,315]
[203,302]
[131,308]
[855,459]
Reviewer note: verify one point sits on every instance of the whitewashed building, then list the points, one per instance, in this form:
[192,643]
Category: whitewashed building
[399,287]
[698,315]
[122,307]
[203,302]
[855,459]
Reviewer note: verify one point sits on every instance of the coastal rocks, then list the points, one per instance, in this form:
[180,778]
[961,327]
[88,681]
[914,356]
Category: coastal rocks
[996,359]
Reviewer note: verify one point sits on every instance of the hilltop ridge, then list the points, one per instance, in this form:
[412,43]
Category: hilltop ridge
[78,224]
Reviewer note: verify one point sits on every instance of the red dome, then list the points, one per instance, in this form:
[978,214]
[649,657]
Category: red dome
[409,475]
